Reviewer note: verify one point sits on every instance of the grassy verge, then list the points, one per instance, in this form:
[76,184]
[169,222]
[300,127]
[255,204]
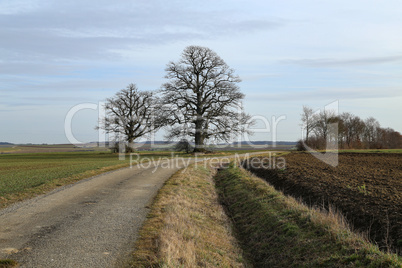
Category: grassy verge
[278,231]
[187,227]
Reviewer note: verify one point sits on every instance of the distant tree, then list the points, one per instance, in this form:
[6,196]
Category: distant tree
[203,97]
[353,128]
[395,139]
[388,138]
[301,145]
[183,145]
[131,114]
[370,134]
[326,128]
[309,121]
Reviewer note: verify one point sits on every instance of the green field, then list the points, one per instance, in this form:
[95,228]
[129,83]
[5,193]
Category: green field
[21,171]
[26,175]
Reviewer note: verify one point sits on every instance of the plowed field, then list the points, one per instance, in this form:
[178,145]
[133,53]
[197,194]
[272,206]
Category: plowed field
[366,188]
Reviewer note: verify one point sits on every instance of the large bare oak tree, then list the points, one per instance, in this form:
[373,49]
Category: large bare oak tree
[131,114]
[203,97]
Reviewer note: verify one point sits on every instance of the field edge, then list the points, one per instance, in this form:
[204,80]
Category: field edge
[269,224]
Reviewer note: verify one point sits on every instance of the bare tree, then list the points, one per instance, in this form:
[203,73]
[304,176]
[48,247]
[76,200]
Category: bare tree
[131,114]
[326,128]
[309,121]
[388,138]
[370,132]
[353,128]
[203,97]
[183,145]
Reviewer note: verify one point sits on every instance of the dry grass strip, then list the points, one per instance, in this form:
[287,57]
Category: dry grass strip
[187,227]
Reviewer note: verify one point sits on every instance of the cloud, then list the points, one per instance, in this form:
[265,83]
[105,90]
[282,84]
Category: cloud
[78,31]
[344,62]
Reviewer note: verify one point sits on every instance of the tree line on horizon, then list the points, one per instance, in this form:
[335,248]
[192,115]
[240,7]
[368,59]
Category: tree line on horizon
[326,129]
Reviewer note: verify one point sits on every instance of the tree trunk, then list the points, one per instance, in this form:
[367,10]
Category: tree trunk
[130,146]
[199,137]
[307,132]
[199,143]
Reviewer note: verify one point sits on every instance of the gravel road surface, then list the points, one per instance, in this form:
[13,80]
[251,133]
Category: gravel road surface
[92,223]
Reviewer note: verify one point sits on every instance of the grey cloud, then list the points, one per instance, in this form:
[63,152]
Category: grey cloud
[40,45]
[81,31]
[344,62]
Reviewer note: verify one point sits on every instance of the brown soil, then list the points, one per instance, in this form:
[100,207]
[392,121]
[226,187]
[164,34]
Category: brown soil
[366,188]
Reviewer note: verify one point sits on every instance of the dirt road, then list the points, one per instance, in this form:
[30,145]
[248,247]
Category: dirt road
[92,223]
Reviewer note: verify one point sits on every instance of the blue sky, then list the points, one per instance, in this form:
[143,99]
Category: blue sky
[58,54]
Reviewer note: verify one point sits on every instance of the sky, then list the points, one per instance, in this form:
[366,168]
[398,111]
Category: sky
[56,56]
